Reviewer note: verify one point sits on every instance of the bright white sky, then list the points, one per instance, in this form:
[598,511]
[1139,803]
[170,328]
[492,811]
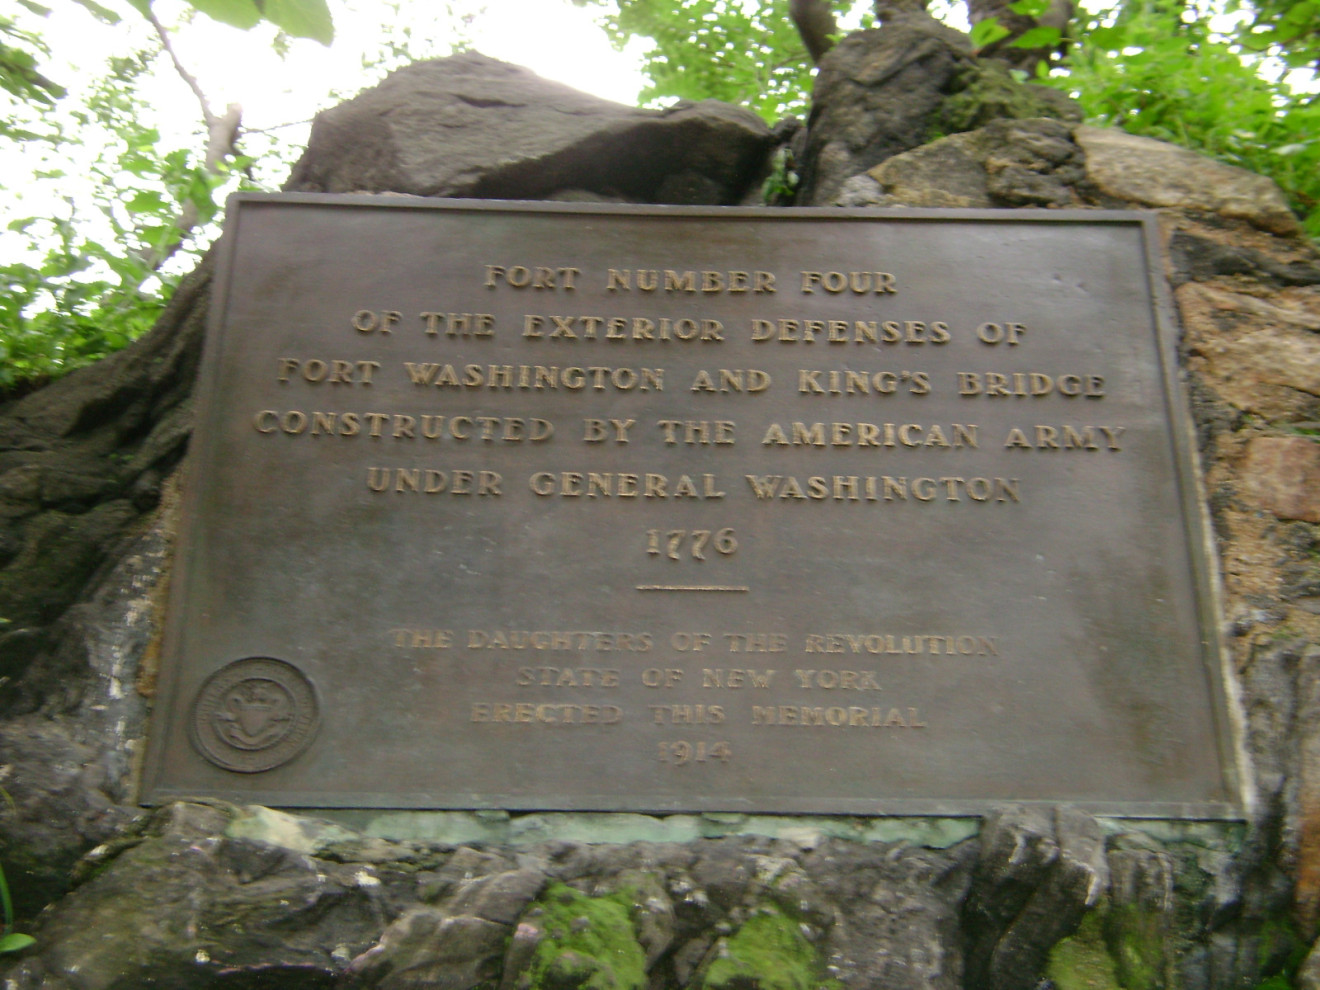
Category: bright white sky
[552,37]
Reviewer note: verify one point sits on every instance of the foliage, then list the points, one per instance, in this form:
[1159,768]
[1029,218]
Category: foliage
[780,186]
[1287,29]
[746,53]
[1159,69]
[299,18]
[95,275]
[105,212]
[989,30]
[20,48]
[54,320]
[10,940]
[1163,68]
[19,51]
[93,282]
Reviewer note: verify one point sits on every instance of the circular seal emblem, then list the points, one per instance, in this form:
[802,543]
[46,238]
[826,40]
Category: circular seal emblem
[254,715]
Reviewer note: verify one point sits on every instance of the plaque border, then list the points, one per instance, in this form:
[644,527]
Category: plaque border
[1215,658]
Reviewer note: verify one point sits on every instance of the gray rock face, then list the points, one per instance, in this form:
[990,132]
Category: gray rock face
[898,915]
[470,126]
[885,92]
[1038,874]
[81,590]
[1032,162]
[212,895]
[184,904]
[1155,173]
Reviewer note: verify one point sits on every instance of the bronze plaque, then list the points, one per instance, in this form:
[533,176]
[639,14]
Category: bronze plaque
[660,509]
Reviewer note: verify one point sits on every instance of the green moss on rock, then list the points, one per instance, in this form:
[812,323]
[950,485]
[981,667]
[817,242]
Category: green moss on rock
[987,91]
[590,942]
[1117,945]
[768,952]
[1082,961]
[1136,946]
[1136,938]
[1280,950]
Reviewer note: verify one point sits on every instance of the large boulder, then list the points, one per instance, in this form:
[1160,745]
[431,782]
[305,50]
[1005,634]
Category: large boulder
[883,92]
[875,96]
[471,126]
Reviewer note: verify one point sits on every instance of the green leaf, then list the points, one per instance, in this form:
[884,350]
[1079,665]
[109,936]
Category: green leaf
[104,14]
[19,75]
[36,8]
[146,201]
[144,139]
[1037,37]
[302,19]
[157,233]
[236,13]
[129,271]
[1030,8]
[143,7]
[1300,14]
[15,943]
[1106,37]
[987,32]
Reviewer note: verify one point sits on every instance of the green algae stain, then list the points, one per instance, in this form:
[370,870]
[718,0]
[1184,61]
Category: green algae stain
[769,952]
[590,942]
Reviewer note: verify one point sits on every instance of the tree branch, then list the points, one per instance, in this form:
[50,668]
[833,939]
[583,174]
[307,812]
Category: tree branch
[184,74]
[815,25]
[275,127]
[221,142]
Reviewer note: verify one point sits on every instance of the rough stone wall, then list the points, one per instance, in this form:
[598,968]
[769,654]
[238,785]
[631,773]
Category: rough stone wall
[84,469]
[198,895]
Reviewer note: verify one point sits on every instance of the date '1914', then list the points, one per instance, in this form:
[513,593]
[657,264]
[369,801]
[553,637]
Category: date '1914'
[680,752]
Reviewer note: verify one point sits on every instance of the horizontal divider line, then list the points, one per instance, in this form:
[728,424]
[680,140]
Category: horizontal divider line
[692,587]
